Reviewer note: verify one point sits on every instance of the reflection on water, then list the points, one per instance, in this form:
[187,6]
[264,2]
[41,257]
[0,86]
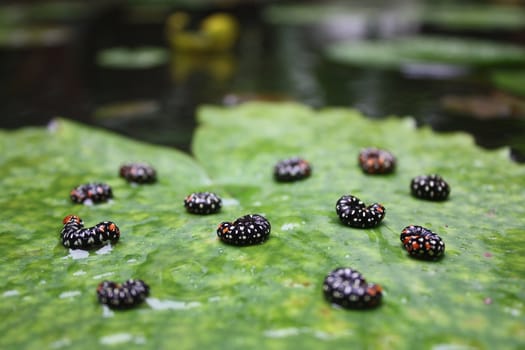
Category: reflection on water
[218,67]
[264,59]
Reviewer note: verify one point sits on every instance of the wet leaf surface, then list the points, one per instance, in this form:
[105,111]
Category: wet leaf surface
[207,294]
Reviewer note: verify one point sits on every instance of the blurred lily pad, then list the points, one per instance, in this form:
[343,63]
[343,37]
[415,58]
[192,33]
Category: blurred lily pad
[34,36]
[475,17]
[426,49]
[233,98]
[48,11]
[302,14]
[495,106]
[335,21]
[137,109]
[510,80]
[132,58]
[184,4]
[206,294]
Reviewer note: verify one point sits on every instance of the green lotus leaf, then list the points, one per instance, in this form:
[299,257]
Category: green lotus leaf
[399,52]
[208,294]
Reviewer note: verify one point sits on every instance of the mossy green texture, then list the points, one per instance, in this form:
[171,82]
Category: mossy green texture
[269,296]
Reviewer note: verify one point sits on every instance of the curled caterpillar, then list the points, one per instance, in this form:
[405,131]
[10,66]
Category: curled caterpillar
[122,296]
[202,203]
[354,213]
[346,287]
[430,187]
[75,236]
[422,243]
[91,193]
[292,169]
[138,173]
[246,230]
[376,161]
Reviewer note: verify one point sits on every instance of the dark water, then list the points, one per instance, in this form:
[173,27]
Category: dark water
[271,63]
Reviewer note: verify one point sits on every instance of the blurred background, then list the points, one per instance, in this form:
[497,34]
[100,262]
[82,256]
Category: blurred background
[142,67]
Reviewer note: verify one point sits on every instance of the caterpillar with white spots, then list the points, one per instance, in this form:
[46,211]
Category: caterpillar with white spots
[430,187]
[292,169]
[139,173]
[246,230]
[122,296]
[202,203]
[75,236]
[91,193]
[422,243]
[354,213]
[376,161]
[346,287]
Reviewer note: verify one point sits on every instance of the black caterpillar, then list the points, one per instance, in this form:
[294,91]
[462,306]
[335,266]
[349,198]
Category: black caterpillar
[348,288]
[422,243]
[138,173]
[247,230]
[122,296]
[376,161]
[430,187]
[202,203]
[354,213]
[292,169]
[91,193]
[75,236]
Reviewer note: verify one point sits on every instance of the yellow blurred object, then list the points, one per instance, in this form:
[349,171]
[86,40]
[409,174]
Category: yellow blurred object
[217,33]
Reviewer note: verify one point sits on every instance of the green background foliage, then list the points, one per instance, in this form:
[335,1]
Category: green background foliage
[207,294]
[510,80]
[480,17]
[135,58]
[426,49]
[475,17]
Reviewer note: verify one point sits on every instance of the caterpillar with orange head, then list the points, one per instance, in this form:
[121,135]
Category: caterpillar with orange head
[376,161]
[91,193]
[75,236]
[422,243]
[202,203]
[354,213]
[138,173]
[347,288]
[247,230]
[292,169]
